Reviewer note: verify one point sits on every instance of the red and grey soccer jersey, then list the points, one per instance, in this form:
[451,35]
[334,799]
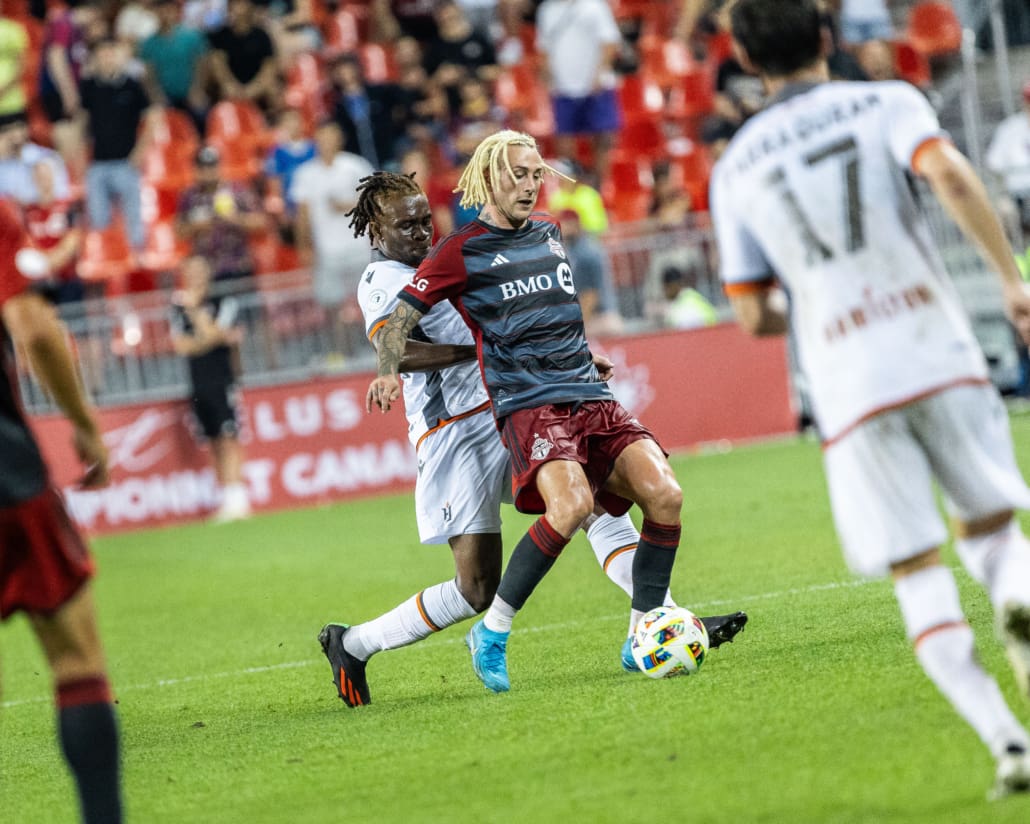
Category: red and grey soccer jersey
[43,560]
[515,290]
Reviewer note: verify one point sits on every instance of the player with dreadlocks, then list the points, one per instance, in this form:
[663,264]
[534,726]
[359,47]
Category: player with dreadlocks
[464,468]
[570,441]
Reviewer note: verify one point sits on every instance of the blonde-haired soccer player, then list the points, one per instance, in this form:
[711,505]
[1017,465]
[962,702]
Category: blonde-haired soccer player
[463,466]
[812,192]
[570,441]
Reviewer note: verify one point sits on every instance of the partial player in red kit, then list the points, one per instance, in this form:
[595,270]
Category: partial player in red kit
[45,567]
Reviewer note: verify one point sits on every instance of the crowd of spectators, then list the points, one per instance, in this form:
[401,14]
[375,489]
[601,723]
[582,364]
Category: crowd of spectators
[287,104]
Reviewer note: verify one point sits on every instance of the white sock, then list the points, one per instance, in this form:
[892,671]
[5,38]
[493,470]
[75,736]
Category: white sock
[420,616]
[499,617]
[614,541]
[235,496]
[1001,561]
[944,647]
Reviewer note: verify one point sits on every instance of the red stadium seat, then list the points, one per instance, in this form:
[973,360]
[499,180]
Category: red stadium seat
[342,31]
[306,84]
[377,63]
[640,98]
[105,255]
[165,250]
[693,98]
[239,132]
[665,59]
[692,170]
[934,29]
[643,138]
[627,189]
[519,91]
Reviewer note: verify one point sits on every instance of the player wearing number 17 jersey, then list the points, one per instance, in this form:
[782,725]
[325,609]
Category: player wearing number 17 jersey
[813,195]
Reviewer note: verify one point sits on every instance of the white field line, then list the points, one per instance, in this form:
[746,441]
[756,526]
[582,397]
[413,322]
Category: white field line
[738,602]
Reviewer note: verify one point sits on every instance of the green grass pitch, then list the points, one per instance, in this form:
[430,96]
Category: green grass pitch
[818,713]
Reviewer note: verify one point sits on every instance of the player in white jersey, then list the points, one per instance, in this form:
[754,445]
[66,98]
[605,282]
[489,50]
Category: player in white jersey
[463,466]
[813,193]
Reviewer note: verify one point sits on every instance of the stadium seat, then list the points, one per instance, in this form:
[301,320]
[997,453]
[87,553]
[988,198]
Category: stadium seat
[377,63]
[692,170]
[627,189]
[174,128]
[665,59]
[519,91]
[934,29]
[165,250]
[643,138]
[165,168]
[640,98]
[342,31]
[239,132]
[105,255]
[693,97]
[306,84]
[910,65]
[719,47]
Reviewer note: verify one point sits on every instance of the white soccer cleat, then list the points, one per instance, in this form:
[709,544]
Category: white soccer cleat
[231,511]
[1015,633]
[1013,773]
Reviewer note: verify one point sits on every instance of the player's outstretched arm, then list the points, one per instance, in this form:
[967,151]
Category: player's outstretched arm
[393,340]
[36,330]
[964,197]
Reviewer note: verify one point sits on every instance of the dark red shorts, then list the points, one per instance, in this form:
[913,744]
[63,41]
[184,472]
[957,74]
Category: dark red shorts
[43,559]
[593,434]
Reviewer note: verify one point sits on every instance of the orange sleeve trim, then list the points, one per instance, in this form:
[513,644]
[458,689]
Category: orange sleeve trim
[376,327]
[749,287]
[926,144]
[481,408]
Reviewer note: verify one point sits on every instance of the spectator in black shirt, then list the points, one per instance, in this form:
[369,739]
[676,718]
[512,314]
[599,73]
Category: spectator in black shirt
[366,113]
[243,58]
[115,104]
[458,51]
[204,331]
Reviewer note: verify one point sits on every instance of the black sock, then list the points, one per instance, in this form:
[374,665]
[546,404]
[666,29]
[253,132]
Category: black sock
[652,565]
[534,555]
[89,738]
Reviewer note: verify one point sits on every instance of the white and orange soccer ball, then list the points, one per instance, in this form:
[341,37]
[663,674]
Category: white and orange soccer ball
[669,641]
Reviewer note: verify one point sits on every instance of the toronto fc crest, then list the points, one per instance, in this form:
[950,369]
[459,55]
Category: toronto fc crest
[541,448]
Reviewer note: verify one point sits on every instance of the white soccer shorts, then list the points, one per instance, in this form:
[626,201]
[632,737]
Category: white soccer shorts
[881,475]
[464,475]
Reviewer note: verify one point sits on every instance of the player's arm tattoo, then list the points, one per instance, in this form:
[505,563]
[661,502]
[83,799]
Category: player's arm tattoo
[394,337]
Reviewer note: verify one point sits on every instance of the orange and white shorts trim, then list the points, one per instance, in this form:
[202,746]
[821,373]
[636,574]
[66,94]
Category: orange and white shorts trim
[881,475]
[464,475]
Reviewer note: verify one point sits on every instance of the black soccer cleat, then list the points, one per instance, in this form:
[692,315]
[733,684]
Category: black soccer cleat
[348,671]
[722,629]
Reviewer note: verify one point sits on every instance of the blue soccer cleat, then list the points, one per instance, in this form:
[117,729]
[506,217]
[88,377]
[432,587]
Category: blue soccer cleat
[489,658]
[629,663]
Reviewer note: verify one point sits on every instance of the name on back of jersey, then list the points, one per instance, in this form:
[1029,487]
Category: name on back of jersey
[807,124]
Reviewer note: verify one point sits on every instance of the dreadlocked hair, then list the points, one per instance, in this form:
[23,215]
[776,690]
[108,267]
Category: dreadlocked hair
[488,156]
[373,187]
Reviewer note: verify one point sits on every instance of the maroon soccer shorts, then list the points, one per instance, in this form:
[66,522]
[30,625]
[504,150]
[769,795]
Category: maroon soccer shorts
[43,559]
[592,433]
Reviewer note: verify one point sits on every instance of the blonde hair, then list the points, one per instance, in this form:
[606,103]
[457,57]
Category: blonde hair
[475,191]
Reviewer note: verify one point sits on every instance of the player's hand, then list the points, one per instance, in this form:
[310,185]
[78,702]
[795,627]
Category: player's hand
[605,367]
[89,445]
[1017,307]
[382,392]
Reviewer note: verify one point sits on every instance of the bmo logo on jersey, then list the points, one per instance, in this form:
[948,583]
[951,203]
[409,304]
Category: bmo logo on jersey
[539,283]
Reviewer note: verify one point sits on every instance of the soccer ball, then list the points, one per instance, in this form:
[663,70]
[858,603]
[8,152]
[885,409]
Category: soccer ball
[669,641]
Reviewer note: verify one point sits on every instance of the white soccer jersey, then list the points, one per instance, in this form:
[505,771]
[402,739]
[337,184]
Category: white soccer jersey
[431,399]
[813,191]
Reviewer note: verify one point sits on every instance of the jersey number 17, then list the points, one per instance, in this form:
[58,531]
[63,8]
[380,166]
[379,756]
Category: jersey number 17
[844,152]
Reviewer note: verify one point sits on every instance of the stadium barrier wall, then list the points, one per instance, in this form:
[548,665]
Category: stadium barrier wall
[313,443]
